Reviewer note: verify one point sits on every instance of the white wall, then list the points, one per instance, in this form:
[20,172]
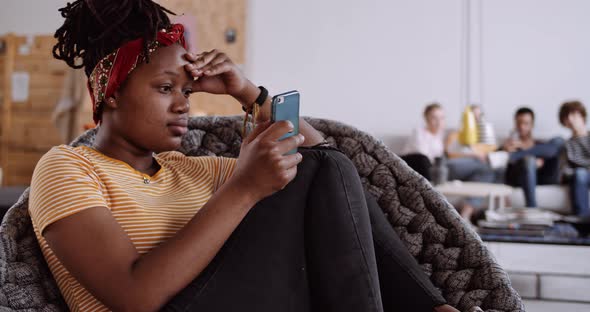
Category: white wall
[536,53]
[30,16]
[375,63]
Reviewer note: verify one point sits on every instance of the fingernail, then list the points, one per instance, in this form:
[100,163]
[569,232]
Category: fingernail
[301,138]
[290,124]
[207,72]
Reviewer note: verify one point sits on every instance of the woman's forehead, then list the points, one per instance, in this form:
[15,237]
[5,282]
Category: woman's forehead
[166,59]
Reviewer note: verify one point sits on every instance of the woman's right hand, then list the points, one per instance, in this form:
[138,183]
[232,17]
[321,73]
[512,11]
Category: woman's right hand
[262,167]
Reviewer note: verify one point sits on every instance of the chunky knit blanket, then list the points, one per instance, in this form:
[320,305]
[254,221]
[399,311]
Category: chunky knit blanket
[449,251]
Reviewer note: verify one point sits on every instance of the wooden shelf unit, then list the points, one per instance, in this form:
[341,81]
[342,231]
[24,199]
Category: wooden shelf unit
[27,129]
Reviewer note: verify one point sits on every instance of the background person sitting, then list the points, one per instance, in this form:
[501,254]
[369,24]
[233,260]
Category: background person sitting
[426,142]
[572,115]
[530,161]
[464,163]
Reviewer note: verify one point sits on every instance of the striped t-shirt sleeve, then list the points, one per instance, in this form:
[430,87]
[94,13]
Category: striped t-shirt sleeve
[64,183]
[220,169]
[578,151]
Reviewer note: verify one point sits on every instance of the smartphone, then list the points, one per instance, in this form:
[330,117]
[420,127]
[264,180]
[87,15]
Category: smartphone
[285,106]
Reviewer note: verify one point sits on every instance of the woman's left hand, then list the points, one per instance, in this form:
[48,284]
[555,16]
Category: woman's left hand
[214,72]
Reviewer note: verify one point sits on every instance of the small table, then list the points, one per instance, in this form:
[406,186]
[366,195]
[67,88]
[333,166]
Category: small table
[477,189]
[559,234]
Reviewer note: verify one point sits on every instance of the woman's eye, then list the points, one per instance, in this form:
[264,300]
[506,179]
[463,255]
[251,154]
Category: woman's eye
[165,89]
[187,93]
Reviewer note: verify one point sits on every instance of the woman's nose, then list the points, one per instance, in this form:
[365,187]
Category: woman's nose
[181,106]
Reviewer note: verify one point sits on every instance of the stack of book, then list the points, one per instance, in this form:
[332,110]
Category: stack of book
[517,222]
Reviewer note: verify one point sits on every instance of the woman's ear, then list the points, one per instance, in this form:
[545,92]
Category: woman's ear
[111,102]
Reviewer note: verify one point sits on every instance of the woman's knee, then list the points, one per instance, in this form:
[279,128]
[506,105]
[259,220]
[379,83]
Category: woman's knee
[333,167]
[328,163]
[325,157]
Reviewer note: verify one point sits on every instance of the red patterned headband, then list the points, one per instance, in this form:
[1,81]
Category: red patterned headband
[113,69]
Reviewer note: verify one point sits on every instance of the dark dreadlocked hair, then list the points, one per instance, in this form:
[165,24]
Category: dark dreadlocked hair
[94,28]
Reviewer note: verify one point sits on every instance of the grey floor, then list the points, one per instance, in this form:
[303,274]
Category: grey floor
[553,306]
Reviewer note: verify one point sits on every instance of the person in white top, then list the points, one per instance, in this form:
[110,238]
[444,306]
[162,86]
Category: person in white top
[432,141]
[426,142]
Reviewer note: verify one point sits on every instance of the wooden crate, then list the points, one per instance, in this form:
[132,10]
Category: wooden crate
[28,131]
[19,165]
[41,99]
[35,132]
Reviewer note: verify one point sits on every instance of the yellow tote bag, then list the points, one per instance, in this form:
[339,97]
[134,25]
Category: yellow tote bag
[468,134]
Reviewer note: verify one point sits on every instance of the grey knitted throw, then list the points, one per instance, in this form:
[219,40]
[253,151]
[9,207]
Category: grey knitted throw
[448,250]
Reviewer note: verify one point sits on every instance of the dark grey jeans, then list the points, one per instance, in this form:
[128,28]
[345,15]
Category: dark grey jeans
[318,245]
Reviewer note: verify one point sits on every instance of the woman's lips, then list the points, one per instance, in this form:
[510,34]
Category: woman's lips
[178,128]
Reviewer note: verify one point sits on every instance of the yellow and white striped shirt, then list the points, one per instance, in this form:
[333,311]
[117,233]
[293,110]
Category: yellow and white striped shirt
[68,180]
